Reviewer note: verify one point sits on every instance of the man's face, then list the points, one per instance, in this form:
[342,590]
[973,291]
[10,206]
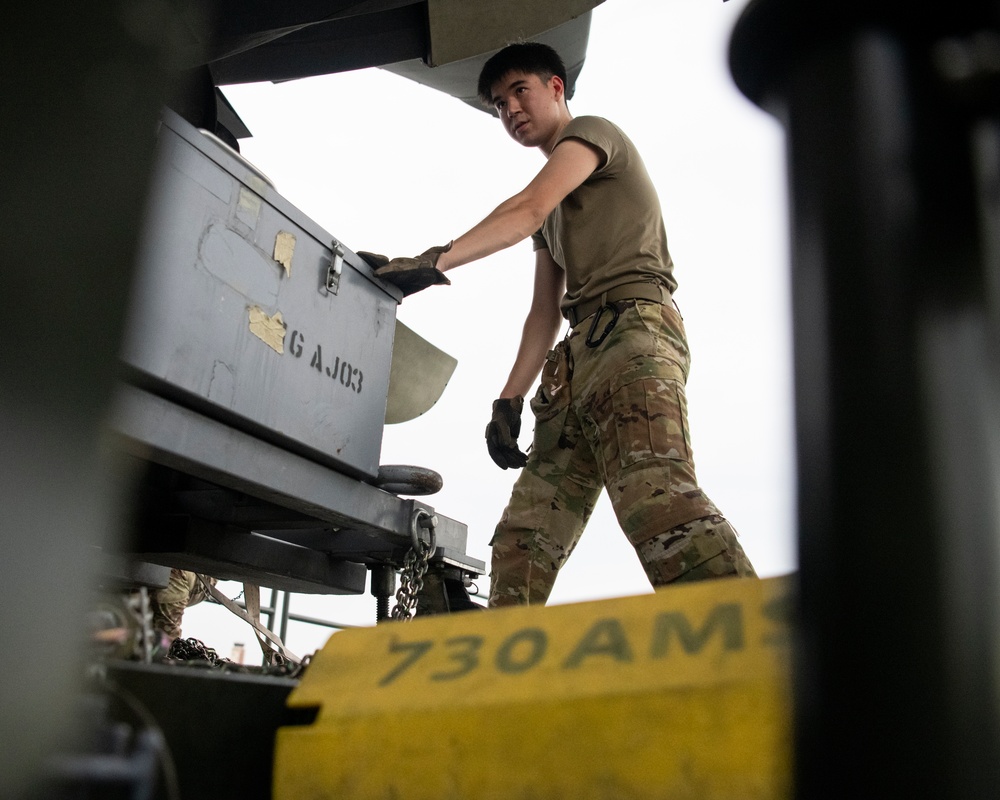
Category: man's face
[529,107]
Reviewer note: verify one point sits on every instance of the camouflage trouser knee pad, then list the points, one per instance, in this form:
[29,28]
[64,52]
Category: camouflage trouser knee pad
[524,571]
[698,550]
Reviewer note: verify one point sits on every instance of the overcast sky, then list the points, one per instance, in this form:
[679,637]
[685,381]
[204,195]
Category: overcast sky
[387,165]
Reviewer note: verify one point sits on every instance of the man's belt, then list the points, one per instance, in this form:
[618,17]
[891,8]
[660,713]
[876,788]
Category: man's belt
[640,290]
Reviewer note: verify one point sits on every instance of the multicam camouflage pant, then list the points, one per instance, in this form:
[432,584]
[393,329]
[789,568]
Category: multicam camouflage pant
[168,604]
[613,416]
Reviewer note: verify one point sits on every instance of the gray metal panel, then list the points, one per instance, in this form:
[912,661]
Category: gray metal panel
[166,433]
[218,323]
[230,554]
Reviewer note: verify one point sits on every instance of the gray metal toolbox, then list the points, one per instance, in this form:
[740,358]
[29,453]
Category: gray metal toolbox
[248,311]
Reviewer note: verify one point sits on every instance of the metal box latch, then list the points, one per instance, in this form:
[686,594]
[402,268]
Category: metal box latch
[336,267]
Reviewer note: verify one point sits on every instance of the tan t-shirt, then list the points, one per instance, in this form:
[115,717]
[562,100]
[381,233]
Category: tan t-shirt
[609,230]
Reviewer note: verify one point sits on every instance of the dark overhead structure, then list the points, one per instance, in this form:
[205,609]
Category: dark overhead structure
[439,43]
[892,116]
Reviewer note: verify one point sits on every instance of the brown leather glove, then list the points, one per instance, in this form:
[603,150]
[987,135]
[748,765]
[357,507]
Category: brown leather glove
[501,433]
[409,274]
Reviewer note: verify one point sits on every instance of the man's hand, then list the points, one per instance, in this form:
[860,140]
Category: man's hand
[501,433]
[409,274]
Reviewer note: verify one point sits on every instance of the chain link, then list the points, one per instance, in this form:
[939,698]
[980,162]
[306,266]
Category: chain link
[411,577]
[192,649]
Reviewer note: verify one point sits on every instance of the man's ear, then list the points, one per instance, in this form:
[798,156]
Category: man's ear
[558,86]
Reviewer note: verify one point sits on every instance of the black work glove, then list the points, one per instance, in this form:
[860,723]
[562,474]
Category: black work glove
[409,274]
[501,433]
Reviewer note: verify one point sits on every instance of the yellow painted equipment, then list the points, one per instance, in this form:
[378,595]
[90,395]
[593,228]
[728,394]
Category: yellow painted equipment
[681,694]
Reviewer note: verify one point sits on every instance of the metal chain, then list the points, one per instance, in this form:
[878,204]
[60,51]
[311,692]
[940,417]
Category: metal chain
[411,577]
[192,649]
[195,650]
[411,581]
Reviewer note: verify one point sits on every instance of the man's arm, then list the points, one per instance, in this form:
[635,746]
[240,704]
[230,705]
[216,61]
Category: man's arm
[540,327]
[570,164]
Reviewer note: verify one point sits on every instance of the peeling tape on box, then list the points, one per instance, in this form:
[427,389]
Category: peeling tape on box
[270,330]
[284,248]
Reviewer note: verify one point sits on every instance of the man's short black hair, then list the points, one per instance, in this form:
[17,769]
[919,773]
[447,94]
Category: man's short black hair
[533,58]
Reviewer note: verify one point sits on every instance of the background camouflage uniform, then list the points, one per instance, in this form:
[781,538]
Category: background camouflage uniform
[613,416]
[168,604]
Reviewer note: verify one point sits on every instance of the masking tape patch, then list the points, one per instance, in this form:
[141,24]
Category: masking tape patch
[284,248]
[270,330]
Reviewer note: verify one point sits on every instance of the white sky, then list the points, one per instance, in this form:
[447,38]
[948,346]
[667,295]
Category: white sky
[387,165]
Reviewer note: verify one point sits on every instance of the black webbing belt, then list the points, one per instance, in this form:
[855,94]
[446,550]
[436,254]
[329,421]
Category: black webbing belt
[640,290]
